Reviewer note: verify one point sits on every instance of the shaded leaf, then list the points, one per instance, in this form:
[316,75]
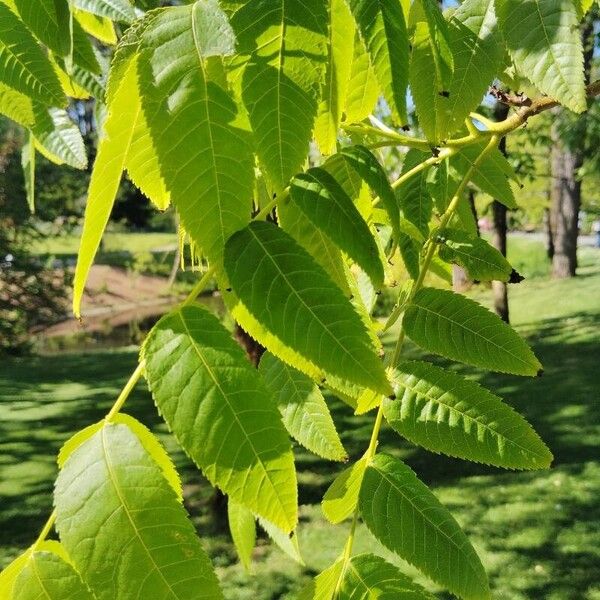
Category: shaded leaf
[341,498]
[456,327]
[405,516]
[445,413]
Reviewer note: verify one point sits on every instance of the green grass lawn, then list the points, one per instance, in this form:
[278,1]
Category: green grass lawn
[537,533]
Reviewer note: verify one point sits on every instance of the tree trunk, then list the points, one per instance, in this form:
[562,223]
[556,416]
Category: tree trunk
[500,227]
[565,190]
[549,231]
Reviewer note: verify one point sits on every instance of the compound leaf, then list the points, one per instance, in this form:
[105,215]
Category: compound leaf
[445,413]
[292,297]
[303,408]
[216,405]
[123,526]
[456,327]
[405,516]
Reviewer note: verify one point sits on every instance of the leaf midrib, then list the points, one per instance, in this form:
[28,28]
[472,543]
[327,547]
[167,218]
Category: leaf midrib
[234,413]
[115,484]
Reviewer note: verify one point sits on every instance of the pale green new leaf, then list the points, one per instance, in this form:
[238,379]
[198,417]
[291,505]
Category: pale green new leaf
[124,108]
[123,526]
[369,577]
[445,413]
[363,87]
[285,42]
[216,405]
[48,20]
[481,260]
[362,160]
[314,241]
[492,176]
[292,297]
[242,527]
[49,576]
[288,543]
[320,197]
[456,327]
[544,41]
[28,166]
[23,64]
[341,498]
[116,10]
[405,516]
[382,26]
[10,573]
[341,44]
[324,585]
[201,140]
[303,408]
[101,28]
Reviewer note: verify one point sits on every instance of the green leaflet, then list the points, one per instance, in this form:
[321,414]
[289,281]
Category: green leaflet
[478,56]
[413,195]
[285,42]
[341,44]
[23,65]
[116,10]
[440,40]
[28,166]
[341,498]
[363,87]
[456,327]
[362,160]
[445,413]
[323,586]
[242,527]
[218,409]
[101,28]
[294,299]
[303,408]
[544,41]
[57,137]
[405,516]
[482,261]
[10,573]
[49,21]
[491,176]
[320,197]
[123,526]
[367,576]
[201,142]
[314,241]
[288,543]
[383,28]
[49,575]
[124,108]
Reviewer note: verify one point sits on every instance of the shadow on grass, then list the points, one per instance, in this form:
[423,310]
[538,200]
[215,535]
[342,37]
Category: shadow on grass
[538,533]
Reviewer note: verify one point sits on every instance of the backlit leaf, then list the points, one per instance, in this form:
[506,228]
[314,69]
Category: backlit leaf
[303,408]
[341,498]
[294,299]
[123,526]
[242,527]
[216,405]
